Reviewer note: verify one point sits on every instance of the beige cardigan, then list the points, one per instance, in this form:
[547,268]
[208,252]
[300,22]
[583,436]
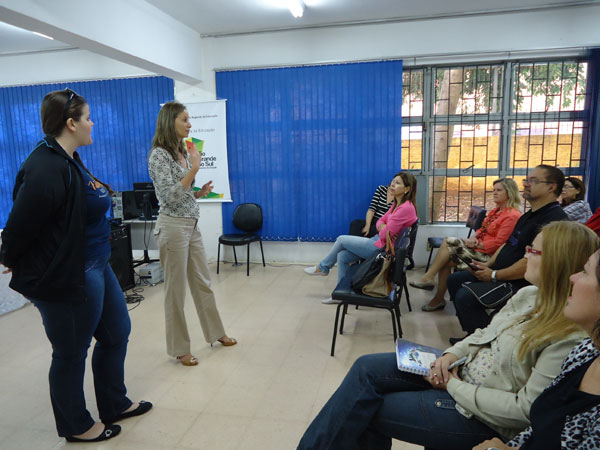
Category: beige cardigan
[504,399]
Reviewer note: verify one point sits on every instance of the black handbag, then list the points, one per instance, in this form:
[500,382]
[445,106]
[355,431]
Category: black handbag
[490,293]
[367,270]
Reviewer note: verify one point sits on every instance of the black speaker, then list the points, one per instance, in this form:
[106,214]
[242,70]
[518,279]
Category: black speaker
[130,209]
[121,258]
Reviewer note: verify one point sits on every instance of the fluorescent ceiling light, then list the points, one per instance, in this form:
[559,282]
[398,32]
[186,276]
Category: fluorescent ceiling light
[43,35]
[296,7]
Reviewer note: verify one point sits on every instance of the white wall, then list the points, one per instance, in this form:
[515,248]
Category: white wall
[64,65]
[493,37]
[133,32]
[555,29]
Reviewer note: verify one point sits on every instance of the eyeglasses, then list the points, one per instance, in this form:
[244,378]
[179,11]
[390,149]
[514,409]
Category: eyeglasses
[72,94]
[532,251]
[534,181]
[568,187]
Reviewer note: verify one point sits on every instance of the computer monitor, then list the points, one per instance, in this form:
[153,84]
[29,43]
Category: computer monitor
[145,200]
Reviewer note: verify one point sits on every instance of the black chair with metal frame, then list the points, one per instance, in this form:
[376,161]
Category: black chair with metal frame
[247,217]
[474,221]
[349,296]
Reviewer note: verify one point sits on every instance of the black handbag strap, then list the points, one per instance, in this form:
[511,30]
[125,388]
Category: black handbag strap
[490,294]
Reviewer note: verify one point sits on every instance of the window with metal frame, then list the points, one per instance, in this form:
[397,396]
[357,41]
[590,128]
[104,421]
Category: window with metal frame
[475,123]
[412,118]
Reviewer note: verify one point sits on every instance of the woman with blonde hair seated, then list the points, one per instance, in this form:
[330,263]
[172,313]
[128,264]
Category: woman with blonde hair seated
[567,414]
[507,366]
[494,231]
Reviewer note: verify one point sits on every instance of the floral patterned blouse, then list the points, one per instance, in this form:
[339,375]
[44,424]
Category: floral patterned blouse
[166,173]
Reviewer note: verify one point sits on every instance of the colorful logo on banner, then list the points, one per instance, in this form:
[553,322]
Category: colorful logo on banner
[208,136]
[192,143]
[198,144]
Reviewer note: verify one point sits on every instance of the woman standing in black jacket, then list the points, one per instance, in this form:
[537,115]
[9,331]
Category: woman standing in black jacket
[56,244]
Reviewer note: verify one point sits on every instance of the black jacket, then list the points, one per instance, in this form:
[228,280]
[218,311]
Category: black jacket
[44,238]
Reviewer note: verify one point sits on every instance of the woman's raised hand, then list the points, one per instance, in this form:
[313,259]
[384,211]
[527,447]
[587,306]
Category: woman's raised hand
[207,188]
[195,157]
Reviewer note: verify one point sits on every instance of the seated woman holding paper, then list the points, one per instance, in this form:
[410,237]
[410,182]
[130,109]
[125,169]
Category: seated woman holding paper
[574,422]
[509,363]
[348,249]
[495,230]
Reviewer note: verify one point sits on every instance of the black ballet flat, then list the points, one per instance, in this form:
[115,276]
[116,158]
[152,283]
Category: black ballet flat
[142,408]
[110,431]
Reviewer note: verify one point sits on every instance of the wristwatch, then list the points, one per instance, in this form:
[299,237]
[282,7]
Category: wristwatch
[494,275]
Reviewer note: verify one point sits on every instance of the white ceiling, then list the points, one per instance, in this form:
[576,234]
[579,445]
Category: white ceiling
[209,17]
[16,40]
[218,18]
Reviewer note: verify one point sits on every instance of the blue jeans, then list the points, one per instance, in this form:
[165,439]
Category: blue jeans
[376,402]
[70,327]
[348,249]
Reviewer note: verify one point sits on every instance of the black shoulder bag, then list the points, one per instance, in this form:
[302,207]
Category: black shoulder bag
[490,293]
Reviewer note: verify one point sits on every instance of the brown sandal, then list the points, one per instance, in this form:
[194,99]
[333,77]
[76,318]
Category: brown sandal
[188,360]
[228,343]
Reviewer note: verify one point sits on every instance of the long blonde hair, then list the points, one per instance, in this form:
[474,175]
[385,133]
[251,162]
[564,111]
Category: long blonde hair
[165,135]
[512,191]
[566,247]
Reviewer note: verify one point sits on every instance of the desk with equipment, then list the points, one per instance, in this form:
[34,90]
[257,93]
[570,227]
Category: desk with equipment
[138,210]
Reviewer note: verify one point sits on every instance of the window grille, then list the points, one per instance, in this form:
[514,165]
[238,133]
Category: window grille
[465,126]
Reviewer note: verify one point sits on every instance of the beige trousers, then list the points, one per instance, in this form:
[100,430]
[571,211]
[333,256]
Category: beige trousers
[182,255]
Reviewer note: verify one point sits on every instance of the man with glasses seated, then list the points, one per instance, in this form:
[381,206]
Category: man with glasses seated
[541,189]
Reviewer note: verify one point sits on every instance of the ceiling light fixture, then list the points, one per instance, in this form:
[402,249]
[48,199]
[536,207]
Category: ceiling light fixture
[296,7]
[43,35]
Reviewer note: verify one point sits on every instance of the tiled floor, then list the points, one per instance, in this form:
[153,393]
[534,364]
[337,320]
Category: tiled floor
[260,394]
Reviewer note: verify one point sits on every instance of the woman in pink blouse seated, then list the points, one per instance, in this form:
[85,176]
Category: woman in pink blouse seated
[348,249]
[494,232]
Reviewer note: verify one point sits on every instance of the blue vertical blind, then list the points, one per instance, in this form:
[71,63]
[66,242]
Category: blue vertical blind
[311,144]
[124,113]
[593,192]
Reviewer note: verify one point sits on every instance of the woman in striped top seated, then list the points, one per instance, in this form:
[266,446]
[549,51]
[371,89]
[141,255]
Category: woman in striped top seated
[380,203]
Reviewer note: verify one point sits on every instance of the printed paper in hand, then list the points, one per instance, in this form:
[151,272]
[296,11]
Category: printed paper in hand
[415,358]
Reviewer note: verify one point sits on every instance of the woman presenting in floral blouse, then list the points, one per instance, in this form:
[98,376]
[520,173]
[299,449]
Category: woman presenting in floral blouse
[173,170]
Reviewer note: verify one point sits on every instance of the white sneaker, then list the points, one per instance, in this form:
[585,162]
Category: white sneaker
[330,301]
[313,271]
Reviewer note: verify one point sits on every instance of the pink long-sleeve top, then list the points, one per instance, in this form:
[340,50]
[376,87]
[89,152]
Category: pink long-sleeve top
[394,220]
[496,229]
